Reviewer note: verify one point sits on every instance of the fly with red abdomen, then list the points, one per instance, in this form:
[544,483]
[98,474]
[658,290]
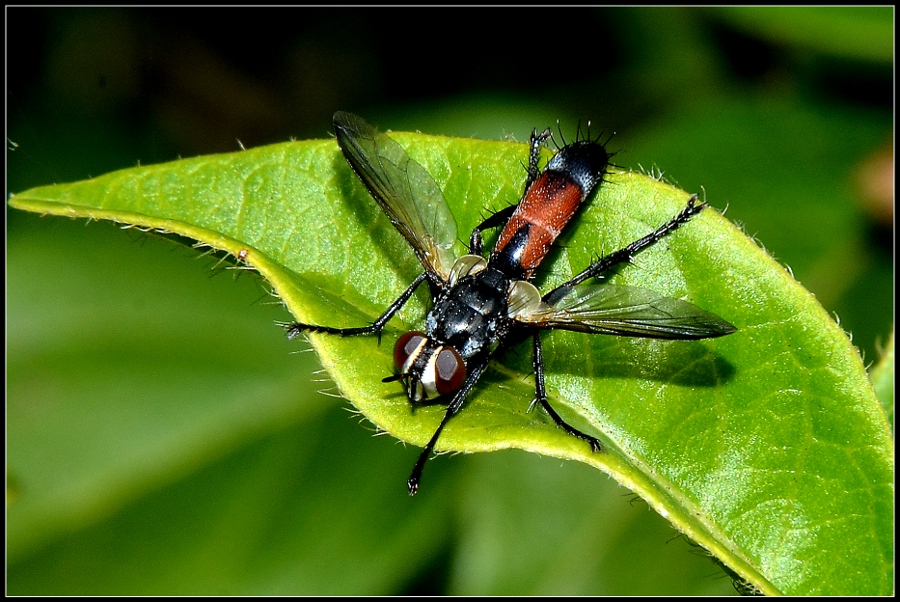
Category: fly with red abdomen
[481,306]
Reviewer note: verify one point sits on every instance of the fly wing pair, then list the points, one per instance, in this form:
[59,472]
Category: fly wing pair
[410,197]
[627,311]
[403,189]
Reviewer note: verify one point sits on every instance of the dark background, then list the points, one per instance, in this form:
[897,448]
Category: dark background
[784,116]
[731,101]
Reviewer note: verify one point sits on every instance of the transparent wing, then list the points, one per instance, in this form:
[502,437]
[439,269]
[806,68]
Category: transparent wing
[626,311]
[403,189]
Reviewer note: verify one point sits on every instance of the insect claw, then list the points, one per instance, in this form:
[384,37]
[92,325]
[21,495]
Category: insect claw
[292,329]
[695,205]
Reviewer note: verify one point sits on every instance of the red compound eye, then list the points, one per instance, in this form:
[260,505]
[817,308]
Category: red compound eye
[407,345]
[449,371]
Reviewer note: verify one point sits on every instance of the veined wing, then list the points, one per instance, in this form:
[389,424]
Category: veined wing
[403,189]
[625,311]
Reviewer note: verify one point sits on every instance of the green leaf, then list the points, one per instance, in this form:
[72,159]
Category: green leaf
[767,447]
[882,376]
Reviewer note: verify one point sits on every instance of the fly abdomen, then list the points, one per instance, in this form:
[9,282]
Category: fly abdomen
[585,162]
[548,205]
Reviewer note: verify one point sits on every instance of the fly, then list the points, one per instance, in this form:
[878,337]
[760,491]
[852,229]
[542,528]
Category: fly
[481,306]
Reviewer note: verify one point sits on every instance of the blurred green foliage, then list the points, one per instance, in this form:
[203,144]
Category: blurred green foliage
[781,115]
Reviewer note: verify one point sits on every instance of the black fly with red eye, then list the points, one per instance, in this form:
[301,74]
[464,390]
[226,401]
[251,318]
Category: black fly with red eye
[483,305]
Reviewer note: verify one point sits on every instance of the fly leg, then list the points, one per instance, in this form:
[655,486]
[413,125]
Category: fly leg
[452,410]
[293,329]
[541,398]
[476,243]
[627,253]
[536,142]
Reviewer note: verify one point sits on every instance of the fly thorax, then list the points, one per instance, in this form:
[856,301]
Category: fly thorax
[472,314]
